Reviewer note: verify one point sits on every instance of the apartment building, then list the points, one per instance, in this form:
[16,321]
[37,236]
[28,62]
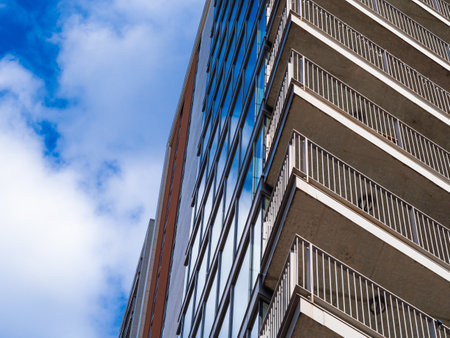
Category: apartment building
[313,197]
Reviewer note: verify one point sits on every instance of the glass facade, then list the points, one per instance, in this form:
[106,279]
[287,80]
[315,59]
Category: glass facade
[224,255]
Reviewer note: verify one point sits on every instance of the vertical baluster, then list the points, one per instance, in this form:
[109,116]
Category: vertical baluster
[393,316]
[343,288]
[349,293]
[374,307]
[356,295]
[336,283]
[303,266]
[362,299]
[368,304]
[322,258]
[386,308]
[404,319]
[329,280]
[316,267]
[381,310]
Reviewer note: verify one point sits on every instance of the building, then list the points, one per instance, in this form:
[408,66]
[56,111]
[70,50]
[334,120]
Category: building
[307,177]
[134,315]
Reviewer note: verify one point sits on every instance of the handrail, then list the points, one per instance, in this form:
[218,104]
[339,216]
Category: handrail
[410,27]
[365,48]
[375,55]
[440,6]
[277,112]
[414,226]
[341,288]
[269,9]
[340,95]
[270,60]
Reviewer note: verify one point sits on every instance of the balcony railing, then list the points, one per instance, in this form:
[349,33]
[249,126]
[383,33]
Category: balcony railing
[345,292]
[270,61]
[367,196]
[410,27]
[349,101]
[312,13]
[440,6]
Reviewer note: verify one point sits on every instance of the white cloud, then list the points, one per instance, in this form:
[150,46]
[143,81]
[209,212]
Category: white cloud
[70,236]
[121,65]
[58,252]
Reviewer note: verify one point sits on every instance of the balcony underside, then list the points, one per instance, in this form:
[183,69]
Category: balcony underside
[434,68]
[369,248]
[375,85]
[310,116]
[307,320]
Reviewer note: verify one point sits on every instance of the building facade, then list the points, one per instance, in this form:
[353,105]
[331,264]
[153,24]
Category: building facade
[307,194]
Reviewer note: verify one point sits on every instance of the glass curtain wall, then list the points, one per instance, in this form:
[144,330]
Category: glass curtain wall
[224,249]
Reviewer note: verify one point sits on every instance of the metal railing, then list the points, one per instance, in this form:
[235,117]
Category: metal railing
[270,61]
[368,50]
[269,9]
[344,290]
[410,27]
[277,112]
[328,87]
[375,55]
[336,176]
[440,6]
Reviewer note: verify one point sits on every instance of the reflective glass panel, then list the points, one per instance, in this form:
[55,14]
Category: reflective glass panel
[194,252]
[210,307]
[202,275]
[225,326]
[241,295]
[254,331]
[217,227]
[245,201]
[226,258]
[239,58]
[250,66]
[232,179]
[222,159]
[259,157]
[226,105]
[256,263]
[237,110]
[207,213]
[252,15]
[248,125]
[187,320]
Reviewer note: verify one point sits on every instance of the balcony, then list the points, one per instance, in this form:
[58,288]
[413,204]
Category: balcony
[439,6]
[347,213]
[312,278]
[328,111]
[426,51]
[398,22]
[313,78]
[361,63]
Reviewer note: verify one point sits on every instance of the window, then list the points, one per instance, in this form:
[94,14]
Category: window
[244,201]
[241,294]
[237,110]
[248,125]
[217,227]
[256,247]
[226,258]
[210,307]
[225,325]
[232,177]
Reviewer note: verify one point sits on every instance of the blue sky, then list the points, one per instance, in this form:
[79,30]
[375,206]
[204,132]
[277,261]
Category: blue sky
[88,90]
